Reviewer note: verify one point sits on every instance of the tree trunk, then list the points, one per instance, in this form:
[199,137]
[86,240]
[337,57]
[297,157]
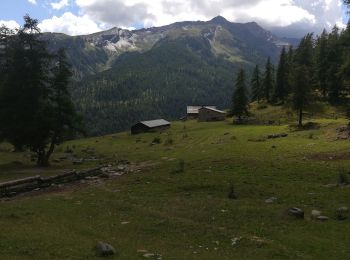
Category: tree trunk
[50,151]
[44,157]
[300,117]
[41,154]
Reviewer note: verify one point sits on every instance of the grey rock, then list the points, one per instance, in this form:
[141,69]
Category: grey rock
[149,255]
[296,212]
[79,162]
[315,214]
[343,210]
[271,200]
[105,249]
[274,136]
[322,218]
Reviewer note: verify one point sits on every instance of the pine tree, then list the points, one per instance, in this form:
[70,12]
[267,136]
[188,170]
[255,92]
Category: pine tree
[256,86]
[302,75]
[63,121]
[240,99]
[35,107]
[301,91]
[281,90]
[268,80]
[344,70]
[321,55]
[334,60]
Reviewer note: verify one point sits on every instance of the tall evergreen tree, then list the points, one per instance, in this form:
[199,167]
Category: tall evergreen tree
[62,120]
[34,105]
[302,75]
[321,55]
[301,91]
[344,70]
[268,80]
[256,85]
[240,98]
[334,60]
[281,90]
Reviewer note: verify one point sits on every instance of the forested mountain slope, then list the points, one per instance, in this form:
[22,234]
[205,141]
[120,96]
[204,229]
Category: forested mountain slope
[125,76]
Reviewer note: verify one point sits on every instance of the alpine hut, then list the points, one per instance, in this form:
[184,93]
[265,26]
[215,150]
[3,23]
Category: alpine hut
[209,114]
[150,126]
[193,111]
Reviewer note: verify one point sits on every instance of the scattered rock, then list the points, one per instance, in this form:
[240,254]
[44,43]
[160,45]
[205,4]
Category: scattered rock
[342,213]
[331,185]
[78,162]
[274,136]
[343,210]
[104,175]
[271,200]
[257,140]
[322,218]
[149,255]
[315,214]
[296,212]
[104,249]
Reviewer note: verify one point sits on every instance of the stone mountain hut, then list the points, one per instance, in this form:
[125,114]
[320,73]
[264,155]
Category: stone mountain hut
[150,126]
[209,114]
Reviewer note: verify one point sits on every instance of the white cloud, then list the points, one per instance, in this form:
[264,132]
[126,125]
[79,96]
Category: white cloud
[70,24]
[32,2]
[10,24]
[59,5]
[269,13]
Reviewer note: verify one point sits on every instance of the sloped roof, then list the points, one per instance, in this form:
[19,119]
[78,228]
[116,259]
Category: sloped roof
[214,109]
[155,123]
[195,109]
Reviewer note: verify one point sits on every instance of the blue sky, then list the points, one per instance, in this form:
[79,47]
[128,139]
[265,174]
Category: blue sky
[87,16]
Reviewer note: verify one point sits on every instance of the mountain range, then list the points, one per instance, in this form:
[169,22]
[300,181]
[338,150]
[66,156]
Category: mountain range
[123,76]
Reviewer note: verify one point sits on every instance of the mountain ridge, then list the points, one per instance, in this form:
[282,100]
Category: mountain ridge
[99,50]
[124,76]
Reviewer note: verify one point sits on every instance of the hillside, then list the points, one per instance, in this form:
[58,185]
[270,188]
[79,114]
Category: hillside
[126,76]
[90,54]
[173,200]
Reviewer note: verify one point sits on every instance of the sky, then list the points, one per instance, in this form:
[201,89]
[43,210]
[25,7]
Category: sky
[288,18]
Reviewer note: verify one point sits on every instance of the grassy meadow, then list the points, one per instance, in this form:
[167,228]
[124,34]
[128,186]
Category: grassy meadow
[176,204]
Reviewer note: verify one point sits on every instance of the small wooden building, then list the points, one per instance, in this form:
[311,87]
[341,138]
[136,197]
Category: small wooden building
[209,114]
[150,126]
[193,111]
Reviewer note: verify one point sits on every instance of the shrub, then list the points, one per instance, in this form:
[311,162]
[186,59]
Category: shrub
[157,140]
[169,141]
[69,150]
[180,167]
[343,178]
[232,194]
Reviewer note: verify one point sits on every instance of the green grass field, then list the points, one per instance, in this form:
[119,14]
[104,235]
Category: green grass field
[187,214]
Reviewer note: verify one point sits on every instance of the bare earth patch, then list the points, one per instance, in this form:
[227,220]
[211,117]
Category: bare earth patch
[68,188]
[340,156]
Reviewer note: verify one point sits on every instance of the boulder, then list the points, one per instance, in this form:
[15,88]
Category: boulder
[322,218]
[105,249]
[343,210]
[274,136]
[315,214]
[271,200]
[296,212]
